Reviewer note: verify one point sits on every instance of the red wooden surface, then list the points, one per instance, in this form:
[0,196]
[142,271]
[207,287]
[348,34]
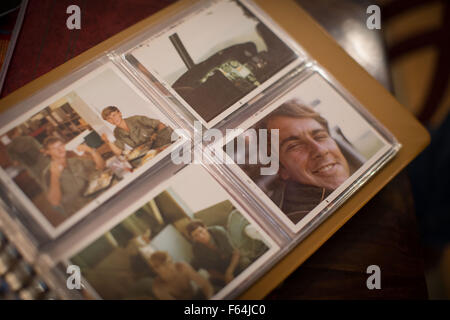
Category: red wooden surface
[45,42]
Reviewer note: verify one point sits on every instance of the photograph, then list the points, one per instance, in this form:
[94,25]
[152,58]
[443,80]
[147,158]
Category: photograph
[186,240]
[321,146]
[70,153]
[217,58]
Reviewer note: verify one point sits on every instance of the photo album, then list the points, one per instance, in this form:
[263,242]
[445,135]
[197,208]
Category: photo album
[186,161]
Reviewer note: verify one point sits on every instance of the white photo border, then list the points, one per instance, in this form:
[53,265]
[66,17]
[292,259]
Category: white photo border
[300,59]
[370,163]
[38,216]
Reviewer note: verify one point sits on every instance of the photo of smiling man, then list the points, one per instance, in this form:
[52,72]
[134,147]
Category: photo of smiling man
[321,145]
[311,163]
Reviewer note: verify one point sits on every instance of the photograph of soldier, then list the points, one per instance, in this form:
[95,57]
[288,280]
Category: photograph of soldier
[52,158]
[215,57]
[66,179]
[135,131]
[175,245]
[76,147]
[25,150]
[320,147]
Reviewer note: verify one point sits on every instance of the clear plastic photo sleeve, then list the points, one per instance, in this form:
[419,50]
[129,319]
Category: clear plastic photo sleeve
[67,152]
[186,239]
[306,151]
[212,58]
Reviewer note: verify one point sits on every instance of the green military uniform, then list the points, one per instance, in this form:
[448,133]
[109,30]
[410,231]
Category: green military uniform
[26,151]
[141,129]
[74,181]
[249,249]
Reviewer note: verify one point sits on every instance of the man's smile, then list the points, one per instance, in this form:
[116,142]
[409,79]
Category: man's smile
[308,154]
[326,169]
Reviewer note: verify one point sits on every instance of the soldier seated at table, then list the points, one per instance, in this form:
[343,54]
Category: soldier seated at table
[67,178]
[135,131]
[25,151]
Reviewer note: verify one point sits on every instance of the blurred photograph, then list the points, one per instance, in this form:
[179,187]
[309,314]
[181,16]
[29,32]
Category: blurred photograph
[324,145]
[66,156]
[184,240]
[212,69]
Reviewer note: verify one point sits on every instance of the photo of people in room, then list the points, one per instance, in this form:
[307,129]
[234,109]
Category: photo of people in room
[213,68]
[79,147]
[173,247]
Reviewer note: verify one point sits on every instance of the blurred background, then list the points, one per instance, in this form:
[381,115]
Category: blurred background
[417,35]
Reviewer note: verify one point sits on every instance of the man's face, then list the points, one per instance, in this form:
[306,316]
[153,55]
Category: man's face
[200,234]
[308,154]
[114,118]
[56,150]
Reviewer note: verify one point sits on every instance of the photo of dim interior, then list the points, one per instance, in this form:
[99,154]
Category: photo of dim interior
[165,251]
[213,68]
[219,81]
